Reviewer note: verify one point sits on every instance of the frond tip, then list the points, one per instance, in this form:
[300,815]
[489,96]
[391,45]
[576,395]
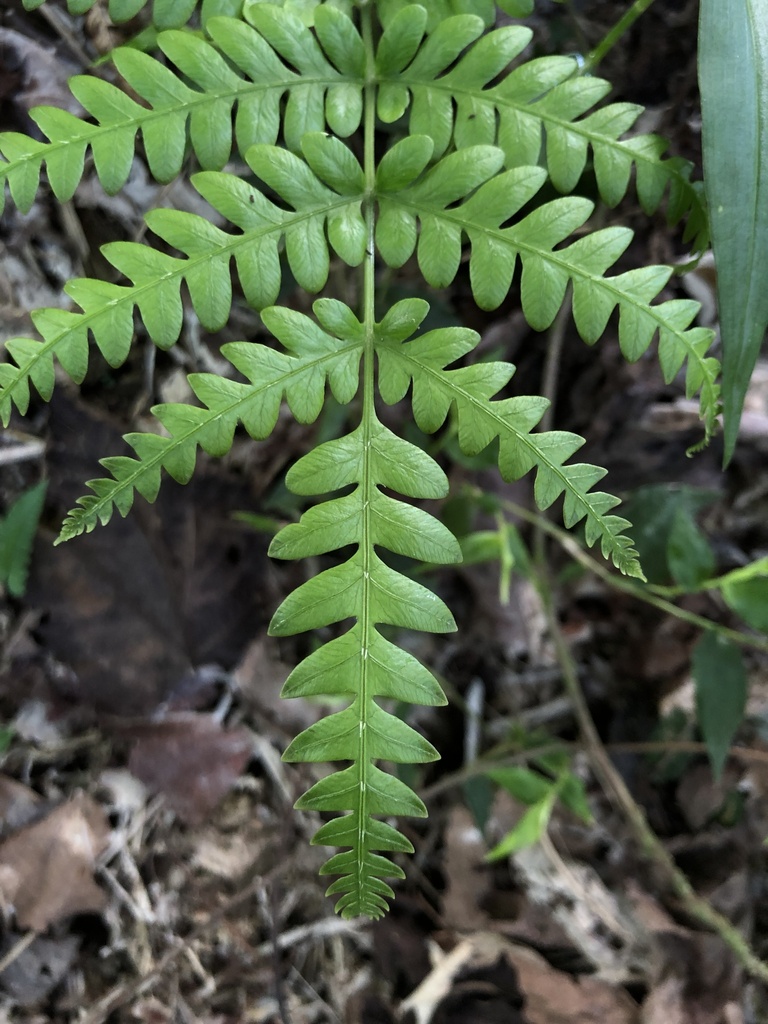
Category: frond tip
[361,666]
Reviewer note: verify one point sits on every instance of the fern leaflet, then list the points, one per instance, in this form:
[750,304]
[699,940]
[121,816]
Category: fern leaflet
[314,357]
[452,101]
[546,270]
[241,67]
[361,665]
[421,364]
[157,277]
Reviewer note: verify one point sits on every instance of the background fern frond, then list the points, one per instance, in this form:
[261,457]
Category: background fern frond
[452,102]
[313,357]
[238,69]
[361,665]
[546,270]
[421,364]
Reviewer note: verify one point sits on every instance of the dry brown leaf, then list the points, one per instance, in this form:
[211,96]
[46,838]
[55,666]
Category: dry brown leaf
[260,676]
[226,856]
[549,996]
[191,759]
[46,869]
[664,1004]
[468,879]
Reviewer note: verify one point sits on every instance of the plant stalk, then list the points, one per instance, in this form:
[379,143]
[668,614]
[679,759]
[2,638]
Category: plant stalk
[609,40]
[643,592]
[612,782]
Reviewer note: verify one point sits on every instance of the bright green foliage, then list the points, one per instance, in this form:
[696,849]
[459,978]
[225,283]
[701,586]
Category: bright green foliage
[107,309]
[420,364]
[459,175]
[453,102]
[238,68]
[361,665]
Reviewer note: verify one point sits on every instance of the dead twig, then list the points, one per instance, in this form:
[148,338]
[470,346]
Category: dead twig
[612,782]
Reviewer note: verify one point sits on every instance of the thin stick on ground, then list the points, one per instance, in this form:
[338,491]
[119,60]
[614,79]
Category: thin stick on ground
[650,844]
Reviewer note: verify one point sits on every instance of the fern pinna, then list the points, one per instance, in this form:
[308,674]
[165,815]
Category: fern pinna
[300,89]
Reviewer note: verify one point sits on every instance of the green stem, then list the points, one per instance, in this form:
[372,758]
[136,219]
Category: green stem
[609,40]
[368,417]
[626,586]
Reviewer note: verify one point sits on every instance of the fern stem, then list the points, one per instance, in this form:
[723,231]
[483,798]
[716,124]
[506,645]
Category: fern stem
[369,417]
[609,40]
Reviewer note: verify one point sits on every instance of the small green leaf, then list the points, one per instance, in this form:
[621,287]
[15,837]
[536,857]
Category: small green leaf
[689,553]
[517,8]
[17,533]
[749,599]
[528,830]
[524,785]
[721,694]
[733,80]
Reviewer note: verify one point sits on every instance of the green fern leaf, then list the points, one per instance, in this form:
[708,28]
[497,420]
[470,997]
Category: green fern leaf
[242,68]
[361,665]
[421,363]
[440,10]
[547,270]
[453,101]
[313,358]
[165,13]
[157,277]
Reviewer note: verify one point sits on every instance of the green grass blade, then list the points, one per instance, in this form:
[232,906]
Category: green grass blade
[733,78]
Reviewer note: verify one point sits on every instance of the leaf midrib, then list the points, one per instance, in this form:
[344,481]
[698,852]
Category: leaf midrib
[157,113]
[546,117]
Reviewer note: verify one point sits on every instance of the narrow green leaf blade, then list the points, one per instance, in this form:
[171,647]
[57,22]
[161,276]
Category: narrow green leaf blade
[17,533]
[733,79]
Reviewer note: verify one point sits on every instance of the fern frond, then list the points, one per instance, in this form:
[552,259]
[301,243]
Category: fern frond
[452,101]
[165,13]
[421,364]
[243,68]
[157,277]
[361,665]
[313,357]
[547,270]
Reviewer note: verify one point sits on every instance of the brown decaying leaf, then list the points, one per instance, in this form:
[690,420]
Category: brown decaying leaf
[46,869]
[191,759]
[482,969]
[468,878]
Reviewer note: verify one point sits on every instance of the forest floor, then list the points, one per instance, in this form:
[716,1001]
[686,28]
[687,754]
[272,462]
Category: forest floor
[152,868]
